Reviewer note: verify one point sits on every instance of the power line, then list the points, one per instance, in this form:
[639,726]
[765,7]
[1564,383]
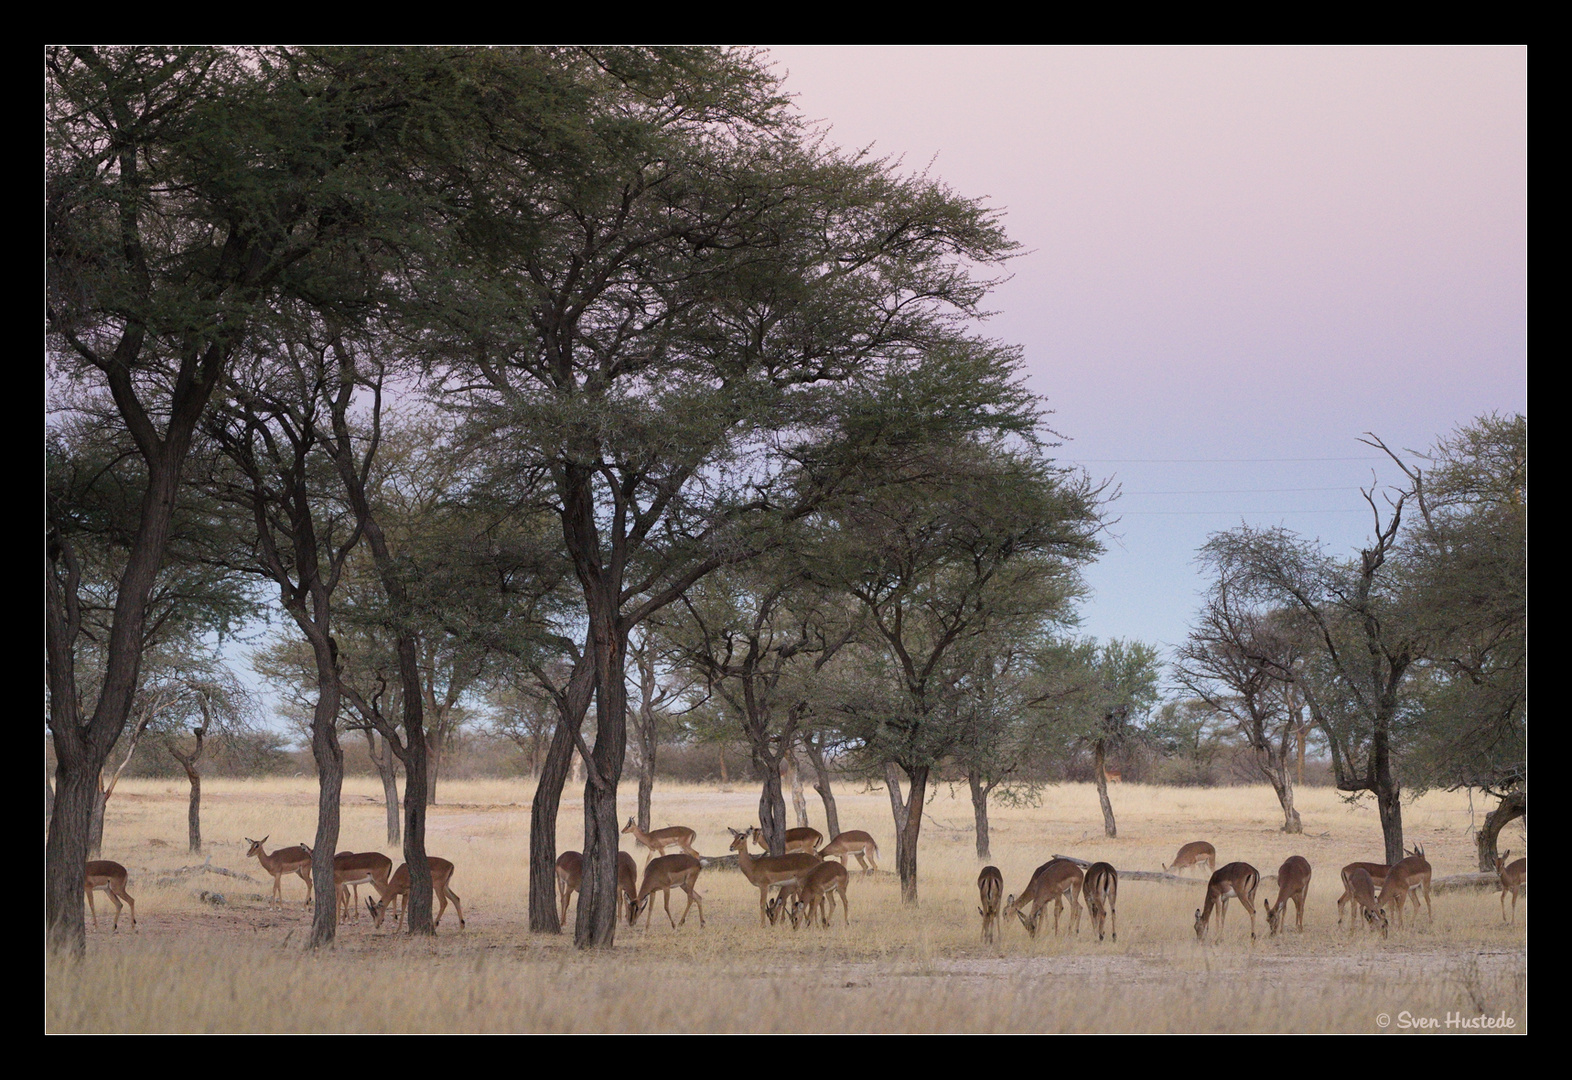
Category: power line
[1211,461]
[1236,513]
[1246,491]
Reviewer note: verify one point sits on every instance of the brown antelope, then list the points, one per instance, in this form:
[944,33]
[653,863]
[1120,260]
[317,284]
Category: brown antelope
[856,843]
[1360,888]
[351,871]
[1101,891]
[1194,854]
[111,877]
[677,836]
[570,875]
[990,891]
[816,893]
[1293,883]
[1513,877]
[767,870]
[661,876]
[803,839]
[1053,880]
[397,890]
[290,860]
[1112,776]
[1236,881]
[1409,876]
[1377,872]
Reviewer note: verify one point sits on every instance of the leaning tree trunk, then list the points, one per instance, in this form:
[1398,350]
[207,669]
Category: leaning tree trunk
[798,801]
[1514,805]
[1101,779]
[572,704]
[329,756]
[980,813]
[1389,803]
[1275,766]
[911,828]
[388,771]
[821,784]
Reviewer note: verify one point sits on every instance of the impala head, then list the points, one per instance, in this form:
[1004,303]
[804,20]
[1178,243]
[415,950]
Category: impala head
[256,845]
[377,908]
[1274,918]
[1501,861]
[1200,926]
[1377,918]
[776,909]
[739,840]
[798,912]
[629,827]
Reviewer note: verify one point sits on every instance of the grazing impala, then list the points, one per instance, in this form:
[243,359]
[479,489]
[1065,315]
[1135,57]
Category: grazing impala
[570,875]
[817,893]
[397,890]
[1101,891]
[290,860]
[1194,854]
[1409,876]
[990,891]
[1293,883]
[1513,877]
[677,836]
[856,843]
[1360,887]
[803,839]
[1053,880]
[661,876]
[111,877]
[351,870]
[1377,872]
[767,870]
[1236,881]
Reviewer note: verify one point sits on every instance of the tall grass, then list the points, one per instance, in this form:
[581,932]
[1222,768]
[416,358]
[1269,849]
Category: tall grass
[236,966]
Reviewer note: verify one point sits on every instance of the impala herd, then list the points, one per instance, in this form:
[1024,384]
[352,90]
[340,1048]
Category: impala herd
[807,883]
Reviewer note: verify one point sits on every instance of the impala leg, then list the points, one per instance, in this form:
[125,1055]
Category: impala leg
[130,903]
[1299,911]
[94,907]
[667,894]
[305,875]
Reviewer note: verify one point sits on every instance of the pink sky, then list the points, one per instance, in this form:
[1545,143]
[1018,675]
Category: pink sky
[1234,253]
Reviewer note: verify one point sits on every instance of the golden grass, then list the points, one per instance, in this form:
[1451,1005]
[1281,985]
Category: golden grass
[239,967]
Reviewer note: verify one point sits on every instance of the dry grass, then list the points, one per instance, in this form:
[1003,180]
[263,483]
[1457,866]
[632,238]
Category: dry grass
[239,967]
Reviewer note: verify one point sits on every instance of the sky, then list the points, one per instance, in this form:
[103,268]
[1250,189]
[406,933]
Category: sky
[1236,262]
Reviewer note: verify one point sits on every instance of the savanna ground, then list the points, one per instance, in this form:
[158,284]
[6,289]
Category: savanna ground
[197,966]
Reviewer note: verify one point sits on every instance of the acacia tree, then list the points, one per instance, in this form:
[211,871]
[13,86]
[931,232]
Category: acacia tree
[1361,643]
[988,536]
[656,333]
[1240,661]
[1467,574]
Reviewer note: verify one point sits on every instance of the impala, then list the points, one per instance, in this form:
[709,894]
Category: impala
[661,876]
[856,843]
[1360,887]
[1194,854]
[1377,872]
[1053,880]
[351,871]
[570,875]
[677,836]
[111,877]
[397,889]
[803,839]
[1513,877]
[1293,883]
[990,890]
[817,893]
[290,860]
[767,870]
[1236,881]
[1101,892]
[1410,875]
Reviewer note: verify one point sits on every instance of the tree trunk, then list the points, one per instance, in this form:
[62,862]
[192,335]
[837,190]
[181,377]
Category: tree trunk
[49,801]
[436,744]
[911,827]
[419,913]
[772,802]
[65,866]
[388,771]
[721,750]
[596,927]
[1275,765]
[821,784]
[95,823]
[1513,806]
[798,802]
[1101,779]
[572,704]
[980,815]
[1389,803]
[329,757]
[194,813]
